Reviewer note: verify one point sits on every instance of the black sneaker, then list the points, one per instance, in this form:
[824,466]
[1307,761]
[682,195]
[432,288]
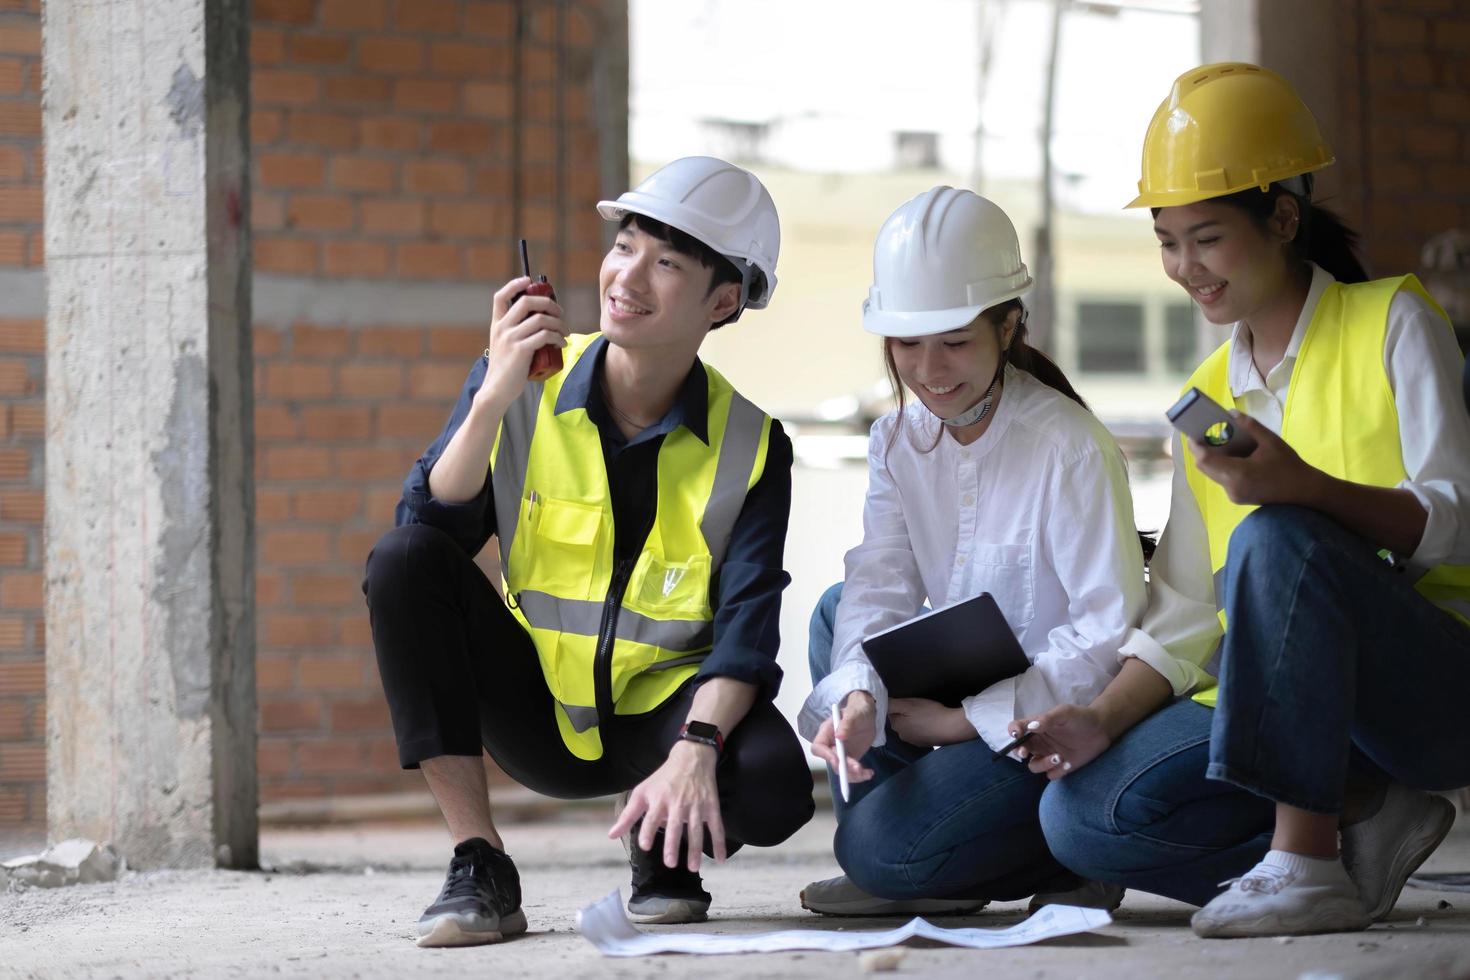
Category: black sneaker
[480,902]
[660,894]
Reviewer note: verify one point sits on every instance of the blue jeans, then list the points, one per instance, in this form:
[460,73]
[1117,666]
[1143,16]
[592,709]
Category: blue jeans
[936,823]
[1332,664]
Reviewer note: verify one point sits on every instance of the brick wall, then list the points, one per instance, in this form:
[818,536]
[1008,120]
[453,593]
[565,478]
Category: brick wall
[22,426]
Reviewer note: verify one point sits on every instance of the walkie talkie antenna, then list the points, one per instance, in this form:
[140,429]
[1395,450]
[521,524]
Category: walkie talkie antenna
[525,259]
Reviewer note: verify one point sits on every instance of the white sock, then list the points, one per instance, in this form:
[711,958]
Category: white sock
[1308,870]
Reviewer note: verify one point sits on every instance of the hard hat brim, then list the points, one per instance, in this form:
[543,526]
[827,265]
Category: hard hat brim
[920,323]
[1179,198]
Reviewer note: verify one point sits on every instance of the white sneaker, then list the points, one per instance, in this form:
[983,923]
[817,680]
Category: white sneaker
[1088,895]
[1381,852]
[839,896]
[1285,895]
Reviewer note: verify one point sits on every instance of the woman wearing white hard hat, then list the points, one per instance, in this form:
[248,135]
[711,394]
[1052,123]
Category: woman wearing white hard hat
[1309,599]
[640,504]
[997,480]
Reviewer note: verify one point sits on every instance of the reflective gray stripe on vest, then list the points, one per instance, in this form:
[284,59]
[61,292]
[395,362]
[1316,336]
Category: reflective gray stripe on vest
[512,460]
[584,618]
[738,451]
[581,718]
[1212,666]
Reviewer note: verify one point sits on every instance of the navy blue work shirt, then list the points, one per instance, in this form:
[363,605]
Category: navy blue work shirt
[745,593]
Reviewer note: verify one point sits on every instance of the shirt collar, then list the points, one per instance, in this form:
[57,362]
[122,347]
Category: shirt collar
[690,408]
[1243,374]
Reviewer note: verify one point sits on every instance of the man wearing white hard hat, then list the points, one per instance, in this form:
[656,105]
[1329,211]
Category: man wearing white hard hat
[640,504]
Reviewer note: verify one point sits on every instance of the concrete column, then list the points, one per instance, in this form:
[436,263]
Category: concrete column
[150,552]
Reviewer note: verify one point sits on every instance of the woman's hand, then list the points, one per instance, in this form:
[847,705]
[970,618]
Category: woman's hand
[1067,738]
[517,331]
[921,722]
[681,798]
[858,730]
[1272,474]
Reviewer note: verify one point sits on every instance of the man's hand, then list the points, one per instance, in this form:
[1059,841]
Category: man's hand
[921,722]
[1067,738]
[681,799]
[858,730]
[1272,474]
[517,331]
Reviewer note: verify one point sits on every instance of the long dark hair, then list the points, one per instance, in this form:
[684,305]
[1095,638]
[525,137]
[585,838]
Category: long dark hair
[1322,237]
[1022,355]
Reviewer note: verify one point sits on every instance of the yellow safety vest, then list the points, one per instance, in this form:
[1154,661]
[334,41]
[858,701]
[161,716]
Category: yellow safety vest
[616,638]
[1339,416]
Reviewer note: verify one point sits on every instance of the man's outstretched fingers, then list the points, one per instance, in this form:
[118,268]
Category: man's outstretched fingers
[635,809]
[673,833]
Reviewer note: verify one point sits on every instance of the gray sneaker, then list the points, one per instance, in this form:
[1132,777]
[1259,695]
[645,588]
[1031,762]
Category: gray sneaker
[1381,852]
[1088,895]
[839,896]
[480,901]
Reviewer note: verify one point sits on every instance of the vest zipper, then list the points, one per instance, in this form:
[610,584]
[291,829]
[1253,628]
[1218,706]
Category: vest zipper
[607,636]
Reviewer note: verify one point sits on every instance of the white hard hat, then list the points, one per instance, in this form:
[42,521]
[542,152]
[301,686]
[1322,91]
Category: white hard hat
[721,205]
[940,260]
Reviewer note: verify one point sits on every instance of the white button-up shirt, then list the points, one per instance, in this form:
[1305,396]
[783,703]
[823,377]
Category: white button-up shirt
[1036,512]
[1180,630]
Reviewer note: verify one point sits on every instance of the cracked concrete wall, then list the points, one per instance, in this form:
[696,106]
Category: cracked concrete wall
[149,521]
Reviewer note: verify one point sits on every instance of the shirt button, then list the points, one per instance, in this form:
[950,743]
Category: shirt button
[969,500]
[959,561]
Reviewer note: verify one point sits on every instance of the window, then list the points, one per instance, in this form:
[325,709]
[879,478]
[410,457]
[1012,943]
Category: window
[1110,337]
[741,142]
[916,151]
[1180,355]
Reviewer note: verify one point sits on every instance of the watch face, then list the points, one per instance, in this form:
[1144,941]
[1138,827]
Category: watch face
[703,729]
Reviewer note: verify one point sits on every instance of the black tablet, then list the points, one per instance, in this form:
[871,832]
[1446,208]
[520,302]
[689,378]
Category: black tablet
[948,654]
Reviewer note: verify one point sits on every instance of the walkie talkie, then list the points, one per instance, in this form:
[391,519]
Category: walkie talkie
[547,361]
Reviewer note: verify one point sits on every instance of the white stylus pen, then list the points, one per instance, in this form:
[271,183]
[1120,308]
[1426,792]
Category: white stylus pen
[841,755]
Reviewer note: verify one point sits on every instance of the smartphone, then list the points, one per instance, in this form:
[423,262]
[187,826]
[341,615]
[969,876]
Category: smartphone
[1201,418]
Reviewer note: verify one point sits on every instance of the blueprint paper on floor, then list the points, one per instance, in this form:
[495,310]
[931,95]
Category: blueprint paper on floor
[606,926]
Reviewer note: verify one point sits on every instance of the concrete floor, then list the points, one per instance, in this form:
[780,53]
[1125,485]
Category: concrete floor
[341,902]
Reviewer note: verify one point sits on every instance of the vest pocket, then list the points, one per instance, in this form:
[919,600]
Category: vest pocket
[1004,570]
[563,552]
[661,586]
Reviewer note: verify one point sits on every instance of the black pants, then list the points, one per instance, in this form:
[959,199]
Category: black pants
[460,673]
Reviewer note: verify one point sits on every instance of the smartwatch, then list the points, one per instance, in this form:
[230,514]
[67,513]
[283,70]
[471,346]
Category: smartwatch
[704,733]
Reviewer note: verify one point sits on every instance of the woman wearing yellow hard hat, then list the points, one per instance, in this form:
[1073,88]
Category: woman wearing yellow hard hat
[1307,619]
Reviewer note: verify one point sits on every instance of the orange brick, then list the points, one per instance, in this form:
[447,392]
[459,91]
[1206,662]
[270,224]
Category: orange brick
[468,138]
[12,549]
[353,380]
[28,419]
[368,464]
[20,38]
[274,673]
[13,722]
[15,464]
[493,100]
[12,248]
[22,763]
[267,47]
[285,255]
[333,755]
[492,20]
[356,259]
[538,64]
[12,638]
[388,133]
[22,677]
[266,340]
[13,164]
[456,341]
[353,546]
[464,59]
[265,127]
[284,88]
[268,212]
[362,174]
[401,342]
[538,144]
[393,55]
[354,15]
[424,95]
[15,377]
[12,76]
[320,212]
[272,758]
[492,263]
[290,715]
[380,501]
[316,49]
[359,89]
[15,807]
[36,249]
[294,463]
[323,129]
[310,340]
[320,672]
[332,505]
[435,177]
[20,204]
[360,715]
[272,506]
[21,590]
[22,506]
[438,16]
[468,219]
[436,380]
[417,422]
[428,260]
[298,381]
[392,217]
[337,423]
[327,590]
[284,11]
[294,547]
[269,587]
[292,169]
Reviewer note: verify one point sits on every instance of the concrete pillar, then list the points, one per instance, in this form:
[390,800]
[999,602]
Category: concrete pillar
[150,552]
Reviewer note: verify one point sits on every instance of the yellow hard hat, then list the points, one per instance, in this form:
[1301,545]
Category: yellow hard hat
[1223,128]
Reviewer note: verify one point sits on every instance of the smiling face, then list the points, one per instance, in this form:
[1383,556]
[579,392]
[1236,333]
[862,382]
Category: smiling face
[655,296]
[1228,263]
[949,372]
